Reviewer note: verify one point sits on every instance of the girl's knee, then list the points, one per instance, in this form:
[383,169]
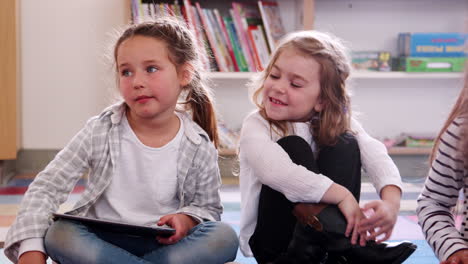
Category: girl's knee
[222,233]
[346,145]
[55,240]
[299,151]
[348,142]
[293,142]
[58,234]
[227,240]
[63,240]
[222,230]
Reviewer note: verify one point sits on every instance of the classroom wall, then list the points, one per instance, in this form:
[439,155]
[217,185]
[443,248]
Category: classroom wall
[64,77]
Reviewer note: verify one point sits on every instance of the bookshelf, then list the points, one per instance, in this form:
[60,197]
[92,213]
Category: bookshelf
[9,88]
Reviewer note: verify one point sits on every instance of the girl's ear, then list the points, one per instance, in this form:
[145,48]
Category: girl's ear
[185,74]
[319,105]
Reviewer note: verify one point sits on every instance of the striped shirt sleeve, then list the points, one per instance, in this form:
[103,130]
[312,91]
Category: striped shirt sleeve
[440,194]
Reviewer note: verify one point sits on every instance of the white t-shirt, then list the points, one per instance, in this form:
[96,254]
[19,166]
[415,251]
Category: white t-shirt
[144,186]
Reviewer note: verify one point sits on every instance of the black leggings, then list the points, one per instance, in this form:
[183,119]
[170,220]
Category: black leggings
[275,221]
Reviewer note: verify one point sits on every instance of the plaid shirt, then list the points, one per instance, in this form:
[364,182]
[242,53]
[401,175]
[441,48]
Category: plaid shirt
[95,150]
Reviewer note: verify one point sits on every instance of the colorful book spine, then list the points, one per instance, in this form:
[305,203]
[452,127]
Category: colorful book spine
[262,47]
[222,27]
[220,43]
[208,62]
[243,35]
[231,29]
[189,16]
[140,11]
[152,11]
[211,39]
[176,8]
[272,22]
[251,31]
[135,11]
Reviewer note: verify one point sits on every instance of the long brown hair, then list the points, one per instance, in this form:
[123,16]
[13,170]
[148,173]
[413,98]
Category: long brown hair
[182,50]
[460,108]
[331,54]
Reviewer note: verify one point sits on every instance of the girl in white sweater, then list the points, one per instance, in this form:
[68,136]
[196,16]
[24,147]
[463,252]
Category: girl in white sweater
[302,148]
[447,177]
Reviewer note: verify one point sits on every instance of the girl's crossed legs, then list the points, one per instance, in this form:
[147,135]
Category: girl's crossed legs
[276,222]
[72,242]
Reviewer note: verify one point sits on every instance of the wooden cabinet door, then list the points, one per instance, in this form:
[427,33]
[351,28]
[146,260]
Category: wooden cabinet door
[8,79]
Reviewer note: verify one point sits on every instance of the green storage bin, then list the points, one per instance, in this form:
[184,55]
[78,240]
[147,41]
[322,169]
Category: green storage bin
[435,64]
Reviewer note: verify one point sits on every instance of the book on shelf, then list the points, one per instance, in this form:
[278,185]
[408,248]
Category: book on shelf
[142,10]
[259,45]
[194,23]
[225,36]
[236,46]
[411,140]
[432,44]
[239,17]
[371,60]
[189,15]
[221,41]
[419,142]
[432,64]
[272,22]
[135,11]
[210,34]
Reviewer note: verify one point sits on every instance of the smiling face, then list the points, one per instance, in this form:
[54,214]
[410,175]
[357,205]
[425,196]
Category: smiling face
[148,81]
[291,91]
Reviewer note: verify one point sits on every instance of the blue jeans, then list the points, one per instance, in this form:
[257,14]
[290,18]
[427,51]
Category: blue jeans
[72,242]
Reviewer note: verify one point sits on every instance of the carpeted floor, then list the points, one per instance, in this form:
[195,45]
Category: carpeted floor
[405,229]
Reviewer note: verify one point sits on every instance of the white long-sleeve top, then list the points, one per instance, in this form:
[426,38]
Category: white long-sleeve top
[446,178]
[263,161]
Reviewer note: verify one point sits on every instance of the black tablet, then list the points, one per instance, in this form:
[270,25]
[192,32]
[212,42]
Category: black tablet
[118,227]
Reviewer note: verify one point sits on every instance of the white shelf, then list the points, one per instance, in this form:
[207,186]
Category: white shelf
[355,75]
[230,75]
